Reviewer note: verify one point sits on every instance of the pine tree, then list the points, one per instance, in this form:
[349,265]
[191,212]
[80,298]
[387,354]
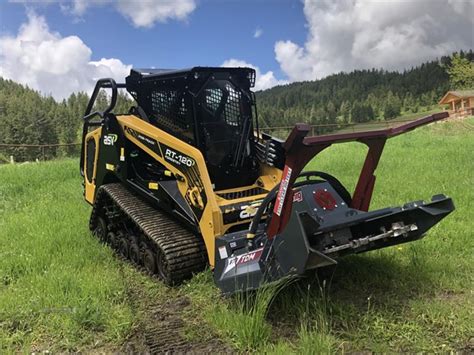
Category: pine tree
[461,72]
[392,107]
[345,111]
[331,113]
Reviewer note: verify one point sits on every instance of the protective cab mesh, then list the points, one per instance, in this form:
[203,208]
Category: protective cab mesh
[230,113]
[169,109]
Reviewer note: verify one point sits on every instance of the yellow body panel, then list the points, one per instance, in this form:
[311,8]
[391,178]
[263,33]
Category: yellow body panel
[210,223]
[90,185]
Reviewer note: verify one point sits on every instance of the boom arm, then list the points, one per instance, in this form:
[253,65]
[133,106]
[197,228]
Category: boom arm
[301,149]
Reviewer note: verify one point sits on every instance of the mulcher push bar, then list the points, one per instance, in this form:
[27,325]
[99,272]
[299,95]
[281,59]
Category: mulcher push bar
[315,221]
[301,149]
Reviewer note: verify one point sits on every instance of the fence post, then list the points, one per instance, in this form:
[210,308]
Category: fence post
[12,160]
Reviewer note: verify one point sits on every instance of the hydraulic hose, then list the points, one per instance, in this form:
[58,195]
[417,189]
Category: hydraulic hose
[263,206]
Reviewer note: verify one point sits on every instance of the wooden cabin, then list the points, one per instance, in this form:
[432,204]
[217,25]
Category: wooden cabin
[461,102]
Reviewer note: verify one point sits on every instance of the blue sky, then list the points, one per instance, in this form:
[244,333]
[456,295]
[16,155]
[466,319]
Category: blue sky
[213,33]
[59,46]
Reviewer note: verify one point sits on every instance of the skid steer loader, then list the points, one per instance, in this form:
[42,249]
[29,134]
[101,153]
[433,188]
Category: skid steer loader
[187,179]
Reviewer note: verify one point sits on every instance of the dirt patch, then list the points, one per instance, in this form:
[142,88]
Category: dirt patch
[469,346]
[449,295]
[162,323]
[161,330]
[284,330]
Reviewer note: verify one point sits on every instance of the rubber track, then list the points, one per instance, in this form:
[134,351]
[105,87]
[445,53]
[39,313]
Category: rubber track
[184,252]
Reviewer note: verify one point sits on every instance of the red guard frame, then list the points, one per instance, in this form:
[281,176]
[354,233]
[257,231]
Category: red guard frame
[301,149]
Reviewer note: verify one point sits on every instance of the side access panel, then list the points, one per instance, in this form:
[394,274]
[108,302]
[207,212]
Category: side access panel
[91,154]
[110,154]
[187,164]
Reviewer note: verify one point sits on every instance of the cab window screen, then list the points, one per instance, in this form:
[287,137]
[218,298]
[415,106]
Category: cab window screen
[223,109]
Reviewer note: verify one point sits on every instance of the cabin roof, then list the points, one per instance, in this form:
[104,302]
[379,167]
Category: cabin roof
[456,95]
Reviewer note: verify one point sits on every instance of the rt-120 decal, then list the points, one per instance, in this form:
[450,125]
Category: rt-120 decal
[178,158]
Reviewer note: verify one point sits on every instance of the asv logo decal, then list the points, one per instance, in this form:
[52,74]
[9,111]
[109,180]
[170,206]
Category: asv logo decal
[110,139]
[243,259]
[178,159]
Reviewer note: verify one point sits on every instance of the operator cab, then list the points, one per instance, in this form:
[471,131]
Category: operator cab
[212,109]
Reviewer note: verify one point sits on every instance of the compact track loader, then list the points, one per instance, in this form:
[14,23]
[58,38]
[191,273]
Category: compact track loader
[187,179]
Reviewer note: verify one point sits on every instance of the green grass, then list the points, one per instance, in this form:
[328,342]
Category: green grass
[61,290]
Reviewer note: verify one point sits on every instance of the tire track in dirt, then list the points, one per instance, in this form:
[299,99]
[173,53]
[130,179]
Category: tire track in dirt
[161,331]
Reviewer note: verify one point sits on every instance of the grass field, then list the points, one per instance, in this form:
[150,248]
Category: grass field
[60,290]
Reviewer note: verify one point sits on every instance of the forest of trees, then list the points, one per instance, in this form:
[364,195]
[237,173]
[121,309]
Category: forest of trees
[27,117]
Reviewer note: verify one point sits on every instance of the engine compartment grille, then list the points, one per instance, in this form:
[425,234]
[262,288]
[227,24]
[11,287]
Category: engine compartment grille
[244,193]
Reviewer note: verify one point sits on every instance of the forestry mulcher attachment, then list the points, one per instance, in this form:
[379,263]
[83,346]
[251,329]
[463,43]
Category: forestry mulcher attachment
[187,179]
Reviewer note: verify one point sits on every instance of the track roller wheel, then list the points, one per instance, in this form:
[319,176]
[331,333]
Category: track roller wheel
[124,246]
[100,230]
[162,266]
[149,261]
[112,239]
[135,255]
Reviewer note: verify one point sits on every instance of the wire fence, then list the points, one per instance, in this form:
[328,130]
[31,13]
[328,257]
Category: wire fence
[17,152]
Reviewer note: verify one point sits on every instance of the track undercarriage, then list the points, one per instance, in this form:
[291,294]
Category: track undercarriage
[146,237]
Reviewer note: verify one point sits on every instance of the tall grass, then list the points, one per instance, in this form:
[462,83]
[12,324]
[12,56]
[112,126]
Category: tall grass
[246,323]
[246,318]
[61,290]
[242,317]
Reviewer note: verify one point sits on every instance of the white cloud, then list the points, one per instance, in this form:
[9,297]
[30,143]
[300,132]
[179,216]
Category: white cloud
[356,34]
[110,68]
[263,81]
[52,64]
[258,32]
[142,13]
[145,13]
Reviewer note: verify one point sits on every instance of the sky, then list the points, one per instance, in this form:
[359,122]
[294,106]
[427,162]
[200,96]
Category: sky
[63,46]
